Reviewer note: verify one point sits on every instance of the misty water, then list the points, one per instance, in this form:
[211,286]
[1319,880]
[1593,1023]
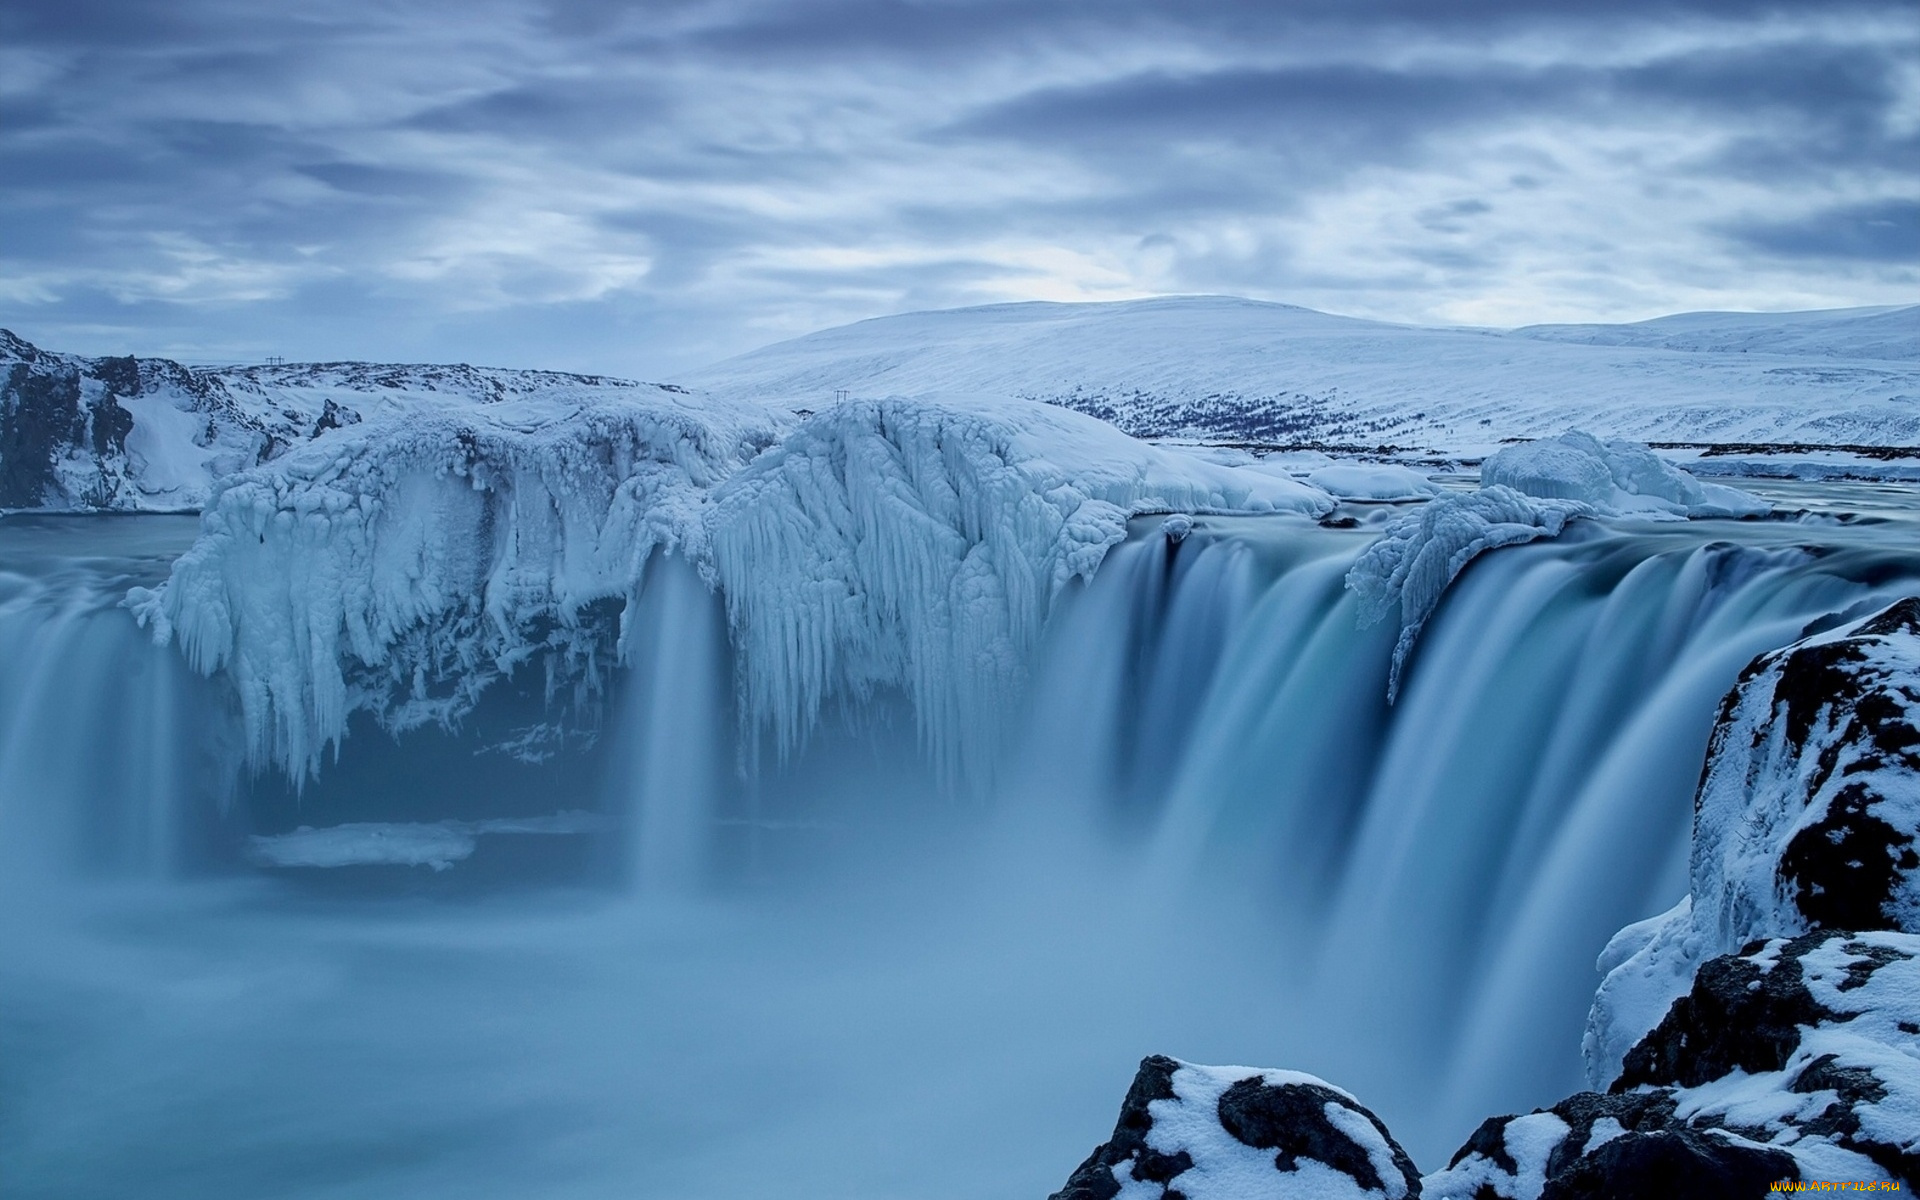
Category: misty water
[726,975]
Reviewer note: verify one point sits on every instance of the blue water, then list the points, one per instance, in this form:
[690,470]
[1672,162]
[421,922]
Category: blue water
[1212,837]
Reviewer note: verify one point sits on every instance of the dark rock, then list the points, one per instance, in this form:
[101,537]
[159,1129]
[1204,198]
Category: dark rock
[1744,1013]
[63,430]
[1094,1179]
[1292,1119]
[39,420]
[1676,1162]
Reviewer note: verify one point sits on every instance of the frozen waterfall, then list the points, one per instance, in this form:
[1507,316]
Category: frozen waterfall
[1203,820]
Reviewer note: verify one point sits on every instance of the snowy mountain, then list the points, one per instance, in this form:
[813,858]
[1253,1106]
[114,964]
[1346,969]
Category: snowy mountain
[1220,368]
[147,434]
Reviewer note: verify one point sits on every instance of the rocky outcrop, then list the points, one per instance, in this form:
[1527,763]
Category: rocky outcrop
[63,433]
[1807,818]
[1797,1059]
[1189,1132]
[145,434]
[1592,1145]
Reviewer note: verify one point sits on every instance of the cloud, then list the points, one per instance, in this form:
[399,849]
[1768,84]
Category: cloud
[637,187]
[1886,231]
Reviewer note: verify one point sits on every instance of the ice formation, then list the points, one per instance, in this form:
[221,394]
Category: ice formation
[401,566]
[437,845]
[1526,492]
[920,545]
[1615,478]
[1423,551]
[1372,481]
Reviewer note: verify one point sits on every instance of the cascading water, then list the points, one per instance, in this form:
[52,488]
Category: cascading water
[1210,835]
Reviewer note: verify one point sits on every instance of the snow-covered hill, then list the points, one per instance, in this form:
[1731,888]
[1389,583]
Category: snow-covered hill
[1871,333]
[1223,368]
[148,434]
[151,434]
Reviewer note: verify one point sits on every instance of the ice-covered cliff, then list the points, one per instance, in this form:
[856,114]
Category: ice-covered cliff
[401,566]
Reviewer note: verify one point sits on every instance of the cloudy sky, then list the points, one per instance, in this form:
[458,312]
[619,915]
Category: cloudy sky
[644,187]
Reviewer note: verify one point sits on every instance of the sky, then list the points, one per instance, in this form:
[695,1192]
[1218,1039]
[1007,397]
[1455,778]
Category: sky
[643,188]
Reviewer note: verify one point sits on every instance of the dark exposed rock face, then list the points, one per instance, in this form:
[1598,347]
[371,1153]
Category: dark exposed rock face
[1220,1133]
[147,433]
[1669,1163]
[64,428]
[1293,1118]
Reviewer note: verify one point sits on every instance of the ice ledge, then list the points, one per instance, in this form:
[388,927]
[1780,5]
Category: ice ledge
[399,567]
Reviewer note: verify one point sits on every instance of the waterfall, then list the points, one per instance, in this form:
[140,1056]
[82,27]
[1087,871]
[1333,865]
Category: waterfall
[102,753]
[1405,897]
[670,763]
[1451,864]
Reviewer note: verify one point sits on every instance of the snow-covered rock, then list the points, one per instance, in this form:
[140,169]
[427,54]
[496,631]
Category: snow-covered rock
[148,434]
[399,567]
[402,565]
[1810,1044]
[1595,1146]
[1614,478]
[111,433]
[1807,817]
[1794,1060]
[920,545]
[1235,1133]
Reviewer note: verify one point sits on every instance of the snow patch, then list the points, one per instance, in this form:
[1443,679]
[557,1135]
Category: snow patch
[1373,481]
[437,845]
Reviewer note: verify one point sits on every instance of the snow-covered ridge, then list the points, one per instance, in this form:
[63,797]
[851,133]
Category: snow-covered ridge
[1885,333]
[148,434]
[1220,368]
